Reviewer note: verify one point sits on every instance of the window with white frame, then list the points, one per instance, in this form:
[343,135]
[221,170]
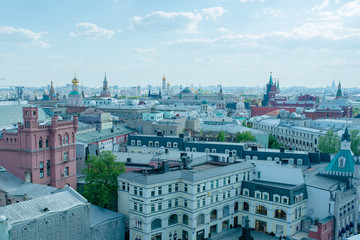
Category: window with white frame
[285,200]
[258,194]
[265,196]
[291,161]
[187,149]
[150,143]
[175,144]
[213,150]
[234,152]
[132,142]
[207,150]
[193,149]
[299,161]
[276,198]
[342,161]
[168,144]
[138,143]
[227,151]
[156,144]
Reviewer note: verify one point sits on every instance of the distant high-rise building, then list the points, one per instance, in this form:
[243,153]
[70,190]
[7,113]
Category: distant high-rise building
[270,91]
[105,91]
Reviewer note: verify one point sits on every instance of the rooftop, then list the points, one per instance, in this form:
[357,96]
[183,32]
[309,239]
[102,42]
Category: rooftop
[90,137]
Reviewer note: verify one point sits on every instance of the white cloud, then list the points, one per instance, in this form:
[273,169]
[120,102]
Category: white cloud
[23,36]
[276,13]
[350,9]
[223,30]
[90,30]
[213,12]
[160,21]
[320,7]
[144,50]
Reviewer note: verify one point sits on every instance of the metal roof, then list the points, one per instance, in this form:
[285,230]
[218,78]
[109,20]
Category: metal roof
[99,215]
[189,175]
[62,200]
[96,136]
[9,182]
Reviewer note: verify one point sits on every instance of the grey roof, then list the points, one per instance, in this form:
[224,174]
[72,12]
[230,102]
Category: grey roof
[324,183]
[230,128]
[12,114]
[189,175]
[99,215]
[95,136]
[9,182]
[32,190]
[62,200]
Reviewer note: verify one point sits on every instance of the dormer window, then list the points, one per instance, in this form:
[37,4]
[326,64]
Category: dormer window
[342,161]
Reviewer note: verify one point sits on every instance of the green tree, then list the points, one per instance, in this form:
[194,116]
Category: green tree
[355,142]
[101,183]
[273,143]
[329,143]
[221,136]
[356,111]
[245,137]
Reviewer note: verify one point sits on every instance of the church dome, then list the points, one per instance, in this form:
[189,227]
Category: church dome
[204,102]
[186,90]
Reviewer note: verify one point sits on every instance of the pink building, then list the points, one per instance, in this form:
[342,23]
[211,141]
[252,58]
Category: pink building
[39,152]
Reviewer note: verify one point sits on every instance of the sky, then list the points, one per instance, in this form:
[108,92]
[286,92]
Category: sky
[203,42]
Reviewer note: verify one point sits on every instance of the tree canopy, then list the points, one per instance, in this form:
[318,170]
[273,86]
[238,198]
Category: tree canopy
[101,183]
[329,143]
[273,143]
[355,142]
[221,136]
[245,137]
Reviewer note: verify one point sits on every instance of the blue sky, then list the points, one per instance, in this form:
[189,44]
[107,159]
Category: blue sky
[207,42]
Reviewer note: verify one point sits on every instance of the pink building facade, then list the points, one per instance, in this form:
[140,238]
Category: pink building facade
[41,153]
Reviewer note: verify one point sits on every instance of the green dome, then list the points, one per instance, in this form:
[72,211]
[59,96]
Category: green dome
[204,102]
[74,93]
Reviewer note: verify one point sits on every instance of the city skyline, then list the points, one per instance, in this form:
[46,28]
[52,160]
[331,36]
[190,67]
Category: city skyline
[233,43]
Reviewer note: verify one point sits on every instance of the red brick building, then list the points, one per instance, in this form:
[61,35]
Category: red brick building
[42,153]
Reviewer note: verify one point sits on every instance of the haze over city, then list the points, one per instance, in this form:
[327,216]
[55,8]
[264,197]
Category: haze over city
[228,42]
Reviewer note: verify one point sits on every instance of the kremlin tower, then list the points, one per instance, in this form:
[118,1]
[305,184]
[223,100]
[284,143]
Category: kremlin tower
[105,91]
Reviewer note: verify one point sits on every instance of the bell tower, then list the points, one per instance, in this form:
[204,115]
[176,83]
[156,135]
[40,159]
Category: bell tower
[30,116]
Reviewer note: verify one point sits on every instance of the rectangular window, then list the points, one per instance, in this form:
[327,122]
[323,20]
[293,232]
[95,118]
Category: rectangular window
[123,186]
[198,188]
[217,183]
[66,171]
[224,181]
[135,190]
[216,198]
[135,206]
[229,180]
[170,188]
[65,158]
[152,208]
[140,191]
[159,206]
[41,169]
[170,204]
[48,168]
[228,194]
[204,187]
[212,199]
[152,192]
[176,202]
[185,203]
[236,178]
[176,187]
[212,184]
[185,187]
[203,202]
[140,207]
[198,203]
[159,190]
[224,195]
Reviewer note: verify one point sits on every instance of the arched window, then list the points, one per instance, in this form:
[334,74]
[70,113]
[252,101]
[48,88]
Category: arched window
[47,142]
[200,220]
[156,224]
[260,209]
[60,139]
[280,214]
[246,206]
[213,215]
[173,219]
[40,143]
[226,211]
[67,139]
[236,207]
[185,219]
